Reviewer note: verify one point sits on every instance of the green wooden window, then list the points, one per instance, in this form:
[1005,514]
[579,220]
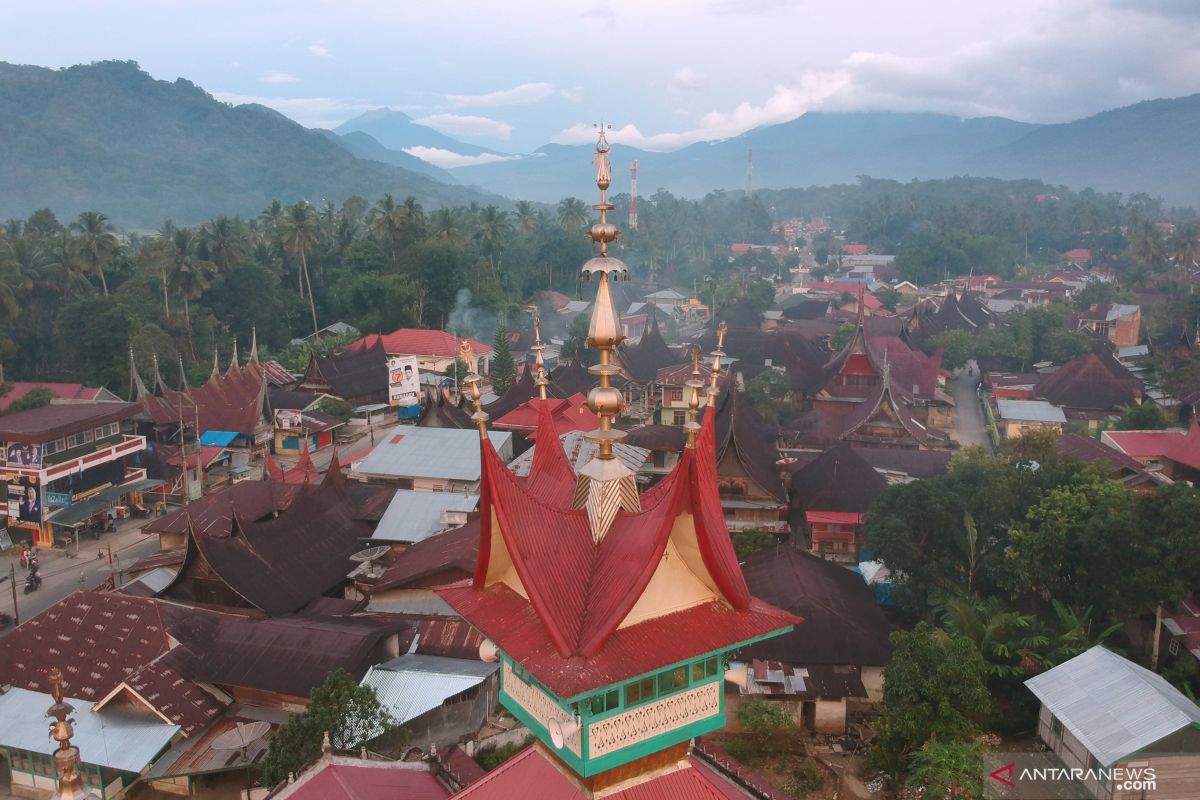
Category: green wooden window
[639,692]
[608,701]
[672,680]
[704,669]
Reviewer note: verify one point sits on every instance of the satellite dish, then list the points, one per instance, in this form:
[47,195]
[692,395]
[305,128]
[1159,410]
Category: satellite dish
[241,736]
[371,553]
[561,731]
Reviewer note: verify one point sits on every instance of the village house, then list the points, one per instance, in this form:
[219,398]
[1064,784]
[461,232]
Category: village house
[1015,417]
[1102,712]
[829,500]
[1173,453]
[435,351]
[1090,388]
[1119,323]
[73,392]
[430,459]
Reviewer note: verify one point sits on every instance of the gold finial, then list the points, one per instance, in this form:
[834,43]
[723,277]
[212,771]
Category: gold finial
[695,383]
[717,355]
[539,363]
[480,416]
[603,231]
[66,757]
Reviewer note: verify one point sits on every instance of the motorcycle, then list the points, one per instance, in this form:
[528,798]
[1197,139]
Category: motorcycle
[5,620]
[33,582]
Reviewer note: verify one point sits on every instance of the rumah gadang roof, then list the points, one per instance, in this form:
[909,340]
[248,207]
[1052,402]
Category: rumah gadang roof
[642,360]
[1121,467]
[47,423]
[252,500]
[840,479]
[570,414]
[443,558]
[568,632]
[102,641]
[282,564]
[1114,707]
[358,375]
[1094,381]
[753,443]
[233,401]
[843,623]
[689,779]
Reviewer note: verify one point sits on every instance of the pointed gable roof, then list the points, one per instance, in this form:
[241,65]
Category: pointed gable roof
[1186,451]
[890,406]
[1094,381]
[741,433]
[837,480]
[644,359]
[560,603]
[442,412]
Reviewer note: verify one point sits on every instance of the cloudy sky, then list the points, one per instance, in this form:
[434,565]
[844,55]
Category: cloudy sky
[665,73]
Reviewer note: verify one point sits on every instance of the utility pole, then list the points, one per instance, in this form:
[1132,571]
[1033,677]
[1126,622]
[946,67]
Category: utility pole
[12,578]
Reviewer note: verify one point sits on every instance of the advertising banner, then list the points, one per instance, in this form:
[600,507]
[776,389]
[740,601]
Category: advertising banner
[20,454]
[288,418]
[404,381]
[23,501]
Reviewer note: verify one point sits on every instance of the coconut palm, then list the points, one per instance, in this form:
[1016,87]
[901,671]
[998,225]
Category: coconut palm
[1185,247]
[158,256]
[224,240]
[190,276]
[298,234]
[386,221]
[94,243]
[525,215]
[1146,243]
[494,227]
[572,214]
[447,224]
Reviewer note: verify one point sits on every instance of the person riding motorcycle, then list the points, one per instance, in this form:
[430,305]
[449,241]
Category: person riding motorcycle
[33,581]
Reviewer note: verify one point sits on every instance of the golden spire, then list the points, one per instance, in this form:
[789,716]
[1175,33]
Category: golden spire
[692,426]
[538,362]
[472,381]
[717,355]
[605,485]
[66,758]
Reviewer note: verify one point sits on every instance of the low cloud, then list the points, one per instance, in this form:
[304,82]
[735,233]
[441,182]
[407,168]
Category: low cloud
[467,125]
[319,50]
[688,80]
[311,112]
[448,159]
[278,77]
[523,95]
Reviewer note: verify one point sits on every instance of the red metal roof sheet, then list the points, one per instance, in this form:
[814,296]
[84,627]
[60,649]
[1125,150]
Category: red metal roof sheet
[1145,444]
[419,342]
[571,414]
[1186,451]
[374,781]
[50,422]
[63,391]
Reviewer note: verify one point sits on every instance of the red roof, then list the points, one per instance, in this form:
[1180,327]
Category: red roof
[856,249]
[231,402]
[693,780]
[1145,444]
[580,591]
[680,374]
[1079,255]
[571,414]
[740,248]
[1186,451]
[63,391]
[418,342]
[850,287]
[833,517]
[384,780]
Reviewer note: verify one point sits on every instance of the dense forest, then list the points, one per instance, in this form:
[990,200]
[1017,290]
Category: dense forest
[76,294]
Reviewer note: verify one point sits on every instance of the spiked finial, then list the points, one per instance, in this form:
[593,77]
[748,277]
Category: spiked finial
[66,757]
[233,359]
[254,344]
[717,355]
[695,383]
[480,416]
[216,370]
[539,363]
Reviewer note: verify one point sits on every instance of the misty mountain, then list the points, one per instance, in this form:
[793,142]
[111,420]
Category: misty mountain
[1148,147]
[396,130]
[363,145]
[107,136]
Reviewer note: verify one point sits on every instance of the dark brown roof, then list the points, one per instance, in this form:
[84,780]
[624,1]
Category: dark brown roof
[842,622]
[754,442]
[1085,448]
[292,399]
[450,556]
[290,656]
[56,420]
[914,463]
[956,313]
[650,354]
[252,500]
[1094,381]
[441,412]
[357,376]
[840,479]
[283,564]
[659,438]
[100,640]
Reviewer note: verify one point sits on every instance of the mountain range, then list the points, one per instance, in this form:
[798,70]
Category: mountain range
[107,136]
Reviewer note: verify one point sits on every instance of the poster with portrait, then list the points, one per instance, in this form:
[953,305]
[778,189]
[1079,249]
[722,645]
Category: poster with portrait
[24,501]
[404,381]
[22,454]
[288,418]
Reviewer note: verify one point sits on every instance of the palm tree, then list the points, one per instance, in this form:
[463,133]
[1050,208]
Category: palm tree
[298,233]
[94,243]
[224,241]
[159,256]
[386,221]
[1004,638]
[1146,244]
[493,228]
[526,217]
[19,270]
[1185,247]
[572,214]
[271,216]
[447,224]
[189,277]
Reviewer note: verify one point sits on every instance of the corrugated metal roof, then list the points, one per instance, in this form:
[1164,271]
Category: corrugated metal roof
[1030,411]
[127,742]
[149,584]
[580,451]
[1111,704]
[446,453]
[412,684]
[414,516]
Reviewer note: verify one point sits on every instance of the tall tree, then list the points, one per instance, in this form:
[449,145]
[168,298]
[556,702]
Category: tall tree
[525,215]
[298,233]
[94,243]
[493,228]
[572,214]
[503,368]
[189,277]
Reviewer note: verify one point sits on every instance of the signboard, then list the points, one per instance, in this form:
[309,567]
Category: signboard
[5,539]
[404,381]
[23,501]
[21,454]
[288,418]
[58,499]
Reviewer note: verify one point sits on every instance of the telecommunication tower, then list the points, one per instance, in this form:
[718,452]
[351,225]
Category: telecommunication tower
[633,196]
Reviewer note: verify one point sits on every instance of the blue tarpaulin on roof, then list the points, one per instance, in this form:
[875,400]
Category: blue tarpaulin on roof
[217,438]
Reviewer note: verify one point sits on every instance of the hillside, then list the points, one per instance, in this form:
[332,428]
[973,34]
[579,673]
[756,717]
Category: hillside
[107,136]
[396,130]
[1148,147]
[363,145]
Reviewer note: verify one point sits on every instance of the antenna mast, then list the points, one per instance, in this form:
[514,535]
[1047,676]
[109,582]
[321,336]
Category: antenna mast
[633,196]
[749,173]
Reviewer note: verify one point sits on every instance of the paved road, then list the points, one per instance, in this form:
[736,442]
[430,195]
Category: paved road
[969,425]
[62,575]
